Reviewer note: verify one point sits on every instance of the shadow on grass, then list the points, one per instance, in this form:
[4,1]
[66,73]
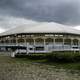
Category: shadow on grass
[68,60]
[63,57]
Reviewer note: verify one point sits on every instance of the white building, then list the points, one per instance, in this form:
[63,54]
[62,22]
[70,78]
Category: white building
[43,38]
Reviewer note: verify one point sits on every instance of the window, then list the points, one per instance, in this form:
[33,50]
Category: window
[39,48]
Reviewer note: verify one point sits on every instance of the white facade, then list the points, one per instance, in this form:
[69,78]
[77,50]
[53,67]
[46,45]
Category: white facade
[43,38]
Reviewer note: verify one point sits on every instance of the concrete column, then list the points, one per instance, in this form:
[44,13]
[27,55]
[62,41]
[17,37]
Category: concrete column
[63,43]
[78,42]
[54,41]
[44,42]
[16,40]
[34,42]
[1,41]
[4,41]
[13,42]
[79,45]
[24,41]
[71,42]
[9,41]
[34,45]
[27,48]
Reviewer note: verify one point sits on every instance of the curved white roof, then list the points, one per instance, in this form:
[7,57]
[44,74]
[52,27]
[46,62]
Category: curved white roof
[43,28]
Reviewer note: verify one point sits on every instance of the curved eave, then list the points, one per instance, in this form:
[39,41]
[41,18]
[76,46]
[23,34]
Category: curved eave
[61,33]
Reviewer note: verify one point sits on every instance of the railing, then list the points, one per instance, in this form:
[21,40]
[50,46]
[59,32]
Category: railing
[48,47]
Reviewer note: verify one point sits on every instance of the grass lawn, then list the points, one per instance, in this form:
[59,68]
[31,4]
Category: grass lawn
[29,68]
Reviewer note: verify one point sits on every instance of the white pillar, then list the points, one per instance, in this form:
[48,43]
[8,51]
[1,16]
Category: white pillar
[78,42]
[71,42]
[44,45]
[79,45]
[63,43]
[24,41]
[27,48]
[54,42]
[13,54]
[44,42]
[34,42]
[16,40]
[9,42]
[3,41]
[34,45]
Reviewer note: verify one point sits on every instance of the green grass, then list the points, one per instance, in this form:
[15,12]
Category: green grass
[66,60]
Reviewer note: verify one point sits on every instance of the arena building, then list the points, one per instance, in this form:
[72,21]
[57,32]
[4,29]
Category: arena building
[42,38]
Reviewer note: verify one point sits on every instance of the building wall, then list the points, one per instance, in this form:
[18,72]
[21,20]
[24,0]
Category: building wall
[51,42]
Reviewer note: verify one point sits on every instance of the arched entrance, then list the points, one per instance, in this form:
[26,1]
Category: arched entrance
[67,41]
[49,41]
[58,41]
[75,41]
[39,41]
[29,40]
[13,41]
[21,40]
[7,41]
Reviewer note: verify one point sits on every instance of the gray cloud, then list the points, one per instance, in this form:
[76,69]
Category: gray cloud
[61,11]
[7,22]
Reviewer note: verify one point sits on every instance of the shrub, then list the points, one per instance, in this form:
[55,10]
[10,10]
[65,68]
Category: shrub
[64,57]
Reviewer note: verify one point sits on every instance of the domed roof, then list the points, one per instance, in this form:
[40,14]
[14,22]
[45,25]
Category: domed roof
[43,28]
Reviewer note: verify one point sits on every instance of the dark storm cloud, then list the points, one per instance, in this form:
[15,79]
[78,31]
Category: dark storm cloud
[61,11]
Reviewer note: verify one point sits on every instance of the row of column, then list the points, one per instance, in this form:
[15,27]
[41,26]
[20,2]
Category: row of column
[63,41]
[44,40]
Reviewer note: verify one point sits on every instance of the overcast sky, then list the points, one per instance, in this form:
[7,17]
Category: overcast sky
[18,12]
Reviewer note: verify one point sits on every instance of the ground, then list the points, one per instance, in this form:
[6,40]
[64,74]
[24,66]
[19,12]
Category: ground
[25,69]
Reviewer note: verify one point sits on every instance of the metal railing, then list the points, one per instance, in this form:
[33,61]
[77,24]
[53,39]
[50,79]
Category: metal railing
[48,47]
